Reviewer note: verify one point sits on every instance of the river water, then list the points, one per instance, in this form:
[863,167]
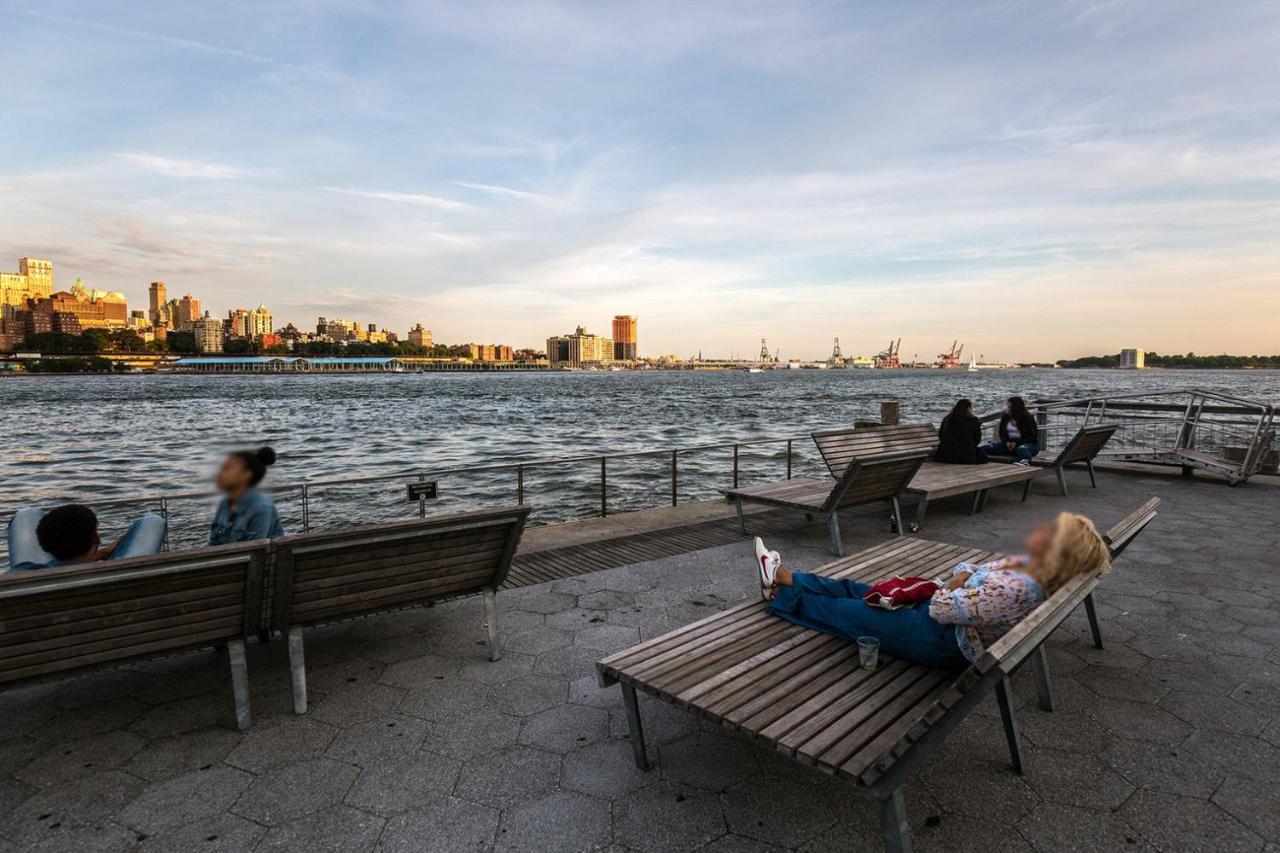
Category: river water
[96,438]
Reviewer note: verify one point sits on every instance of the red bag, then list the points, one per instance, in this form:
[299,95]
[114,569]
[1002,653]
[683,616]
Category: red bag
[898,592]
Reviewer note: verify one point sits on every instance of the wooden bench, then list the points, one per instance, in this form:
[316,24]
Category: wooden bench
[804,693]
[57,621]
[341,574]
[937,480]
[866,464]
[1083,447]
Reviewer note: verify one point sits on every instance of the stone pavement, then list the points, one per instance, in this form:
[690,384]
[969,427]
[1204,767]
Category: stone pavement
[1167,740]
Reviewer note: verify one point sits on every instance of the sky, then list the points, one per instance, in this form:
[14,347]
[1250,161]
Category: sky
[1037,179]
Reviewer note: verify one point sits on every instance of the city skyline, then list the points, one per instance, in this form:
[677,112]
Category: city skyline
[794,171]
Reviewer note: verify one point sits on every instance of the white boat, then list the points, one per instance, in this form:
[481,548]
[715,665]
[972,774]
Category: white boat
[755,370]
[973,364]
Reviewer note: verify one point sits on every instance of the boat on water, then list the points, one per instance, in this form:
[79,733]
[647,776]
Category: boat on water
[973,364]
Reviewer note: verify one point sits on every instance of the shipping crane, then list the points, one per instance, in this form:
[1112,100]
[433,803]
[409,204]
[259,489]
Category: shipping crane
[889,358]
[837,357]
[952,358]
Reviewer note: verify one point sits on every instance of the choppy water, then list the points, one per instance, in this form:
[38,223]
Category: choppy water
[97,438]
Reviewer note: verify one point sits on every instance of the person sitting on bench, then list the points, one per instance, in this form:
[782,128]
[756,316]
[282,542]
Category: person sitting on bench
[1019,435]
[245,514]
[959,436]
[954,627]
[69,534]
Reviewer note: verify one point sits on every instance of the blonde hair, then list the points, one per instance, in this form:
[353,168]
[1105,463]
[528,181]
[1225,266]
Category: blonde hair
[1077,548]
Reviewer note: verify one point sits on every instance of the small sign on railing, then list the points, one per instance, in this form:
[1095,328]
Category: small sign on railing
[422,490]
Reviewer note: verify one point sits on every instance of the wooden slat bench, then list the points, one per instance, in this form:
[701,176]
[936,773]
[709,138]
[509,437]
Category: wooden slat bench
[1083,447]
[804,693]
[937,480]
[341,574]
[867,464]
[56,621]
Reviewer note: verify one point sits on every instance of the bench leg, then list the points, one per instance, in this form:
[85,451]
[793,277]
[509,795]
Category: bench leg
[1091,610]
[982,502]
[240,683]
[742,521]
[898,521]
[1092,480]
[921,508]
[977,500]
[633,726]
[893,822]
[833,524]
[1026,490]
[1062,479]
[1011,734]
[1044,687]
[491,622]
[298,670]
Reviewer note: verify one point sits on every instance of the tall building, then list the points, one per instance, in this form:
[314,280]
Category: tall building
[579,348]
[208,333]
[33,280]
[158,304]
[624,338]
[261,323]
[1133,359]
[184,312]
[238,324]
[43,315]
[419,336]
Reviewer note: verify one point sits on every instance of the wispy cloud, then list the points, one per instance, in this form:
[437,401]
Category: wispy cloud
[517,195]
[414,199]
[176,167]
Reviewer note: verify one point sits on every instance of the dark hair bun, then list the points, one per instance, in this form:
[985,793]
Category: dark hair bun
[267,456]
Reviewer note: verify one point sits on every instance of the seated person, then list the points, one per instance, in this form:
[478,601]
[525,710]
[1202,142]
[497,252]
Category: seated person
[954,627]
[245,514]
[959,436]
[69,534]
[1019,435]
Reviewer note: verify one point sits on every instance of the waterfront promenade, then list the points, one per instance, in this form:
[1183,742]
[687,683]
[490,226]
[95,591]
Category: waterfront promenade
[1169,739]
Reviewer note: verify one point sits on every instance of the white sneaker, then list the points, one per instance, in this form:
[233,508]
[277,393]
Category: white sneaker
[1025,463]
[768,563]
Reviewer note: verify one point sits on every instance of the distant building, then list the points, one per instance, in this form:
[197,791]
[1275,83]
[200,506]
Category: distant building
[624,338]
[333,330]
[44,315]
[158,304]
[237,324]
[579,348]
[1133,359]
[490,352]
[419,336]
[208,334]
[184,312]
[33,280]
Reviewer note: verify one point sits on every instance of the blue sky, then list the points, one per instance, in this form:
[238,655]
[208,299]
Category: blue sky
[1037,179]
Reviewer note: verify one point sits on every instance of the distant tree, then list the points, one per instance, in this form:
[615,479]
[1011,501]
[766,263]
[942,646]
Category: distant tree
[126,340]
[183,343]
[237,346]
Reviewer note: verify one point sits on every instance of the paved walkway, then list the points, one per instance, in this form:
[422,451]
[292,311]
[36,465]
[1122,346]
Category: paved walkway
[1167,740]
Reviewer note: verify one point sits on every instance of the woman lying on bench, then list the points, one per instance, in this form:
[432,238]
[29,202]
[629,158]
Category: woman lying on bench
[954,626]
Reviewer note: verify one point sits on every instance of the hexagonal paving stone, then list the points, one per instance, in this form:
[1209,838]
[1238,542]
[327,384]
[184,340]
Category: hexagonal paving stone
[1181,823]
[88,720]
[511,665]
[1139,721]
[576,619]
[1052,827]
[356,703]
[70,761]
[372,741]
[543,601]
[1008,796]
[606,769]
[1261,696]
[740,844]
[415,672]
[223,833]
[606,600]
[607,638]
[334,830]
[186,715]
[270,747]
[565,728]
[185,799]
[468,736]
[780,811]
[100,838]
[662,722]
[527,695]
[403,783]
[1211,711]
[535,641]
[284,793]
[668,818]
[167,757]
[567,820]
[509,776]
[1252,804]
[343,674]
[442,699]
[707,761]
[445,827]
[1076,780]
[567,664]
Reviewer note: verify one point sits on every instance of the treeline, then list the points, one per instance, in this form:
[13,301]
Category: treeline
[1189,360]
[74,364]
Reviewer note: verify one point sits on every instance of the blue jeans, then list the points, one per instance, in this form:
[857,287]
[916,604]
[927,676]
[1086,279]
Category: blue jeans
[1024,452]
[144,537]
[836,607]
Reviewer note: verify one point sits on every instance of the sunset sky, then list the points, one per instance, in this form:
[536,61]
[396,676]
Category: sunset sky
[1037,179]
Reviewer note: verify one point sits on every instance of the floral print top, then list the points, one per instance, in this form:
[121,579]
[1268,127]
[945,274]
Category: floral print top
[994,599]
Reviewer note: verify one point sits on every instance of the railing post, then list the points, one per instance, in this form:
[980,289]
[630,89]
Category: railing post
[674,469]
[520,484]
[604,486]
[164,513]
[735,466]
[306,509]
[788,459]
[422,500]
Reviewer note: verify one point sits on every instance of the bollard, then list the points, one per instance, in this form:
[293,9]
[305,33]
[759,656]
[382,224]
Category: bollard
[890,412]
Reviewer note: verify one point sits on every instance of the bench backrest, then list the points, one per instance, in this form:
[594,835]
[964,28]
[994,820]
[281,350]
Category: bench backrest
[840,446]
[339,573]
[875,478]
[61,619]
[1086,443]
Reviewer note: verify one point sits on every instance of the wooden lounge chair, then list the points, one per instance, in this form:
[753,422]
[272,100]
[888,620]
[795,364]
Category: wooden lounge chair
[56,621]
[1084,446]
[341,574]
[804,693]
[867,464]
[937,480]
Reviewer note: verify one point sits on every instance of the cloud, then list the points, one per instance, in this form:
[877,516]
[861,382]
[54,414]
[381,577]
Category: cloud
[175,167]
[415,199]
[517,195]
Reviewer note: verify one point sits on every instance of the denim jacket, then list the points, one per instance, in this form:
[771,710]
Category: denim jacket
[254,517]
